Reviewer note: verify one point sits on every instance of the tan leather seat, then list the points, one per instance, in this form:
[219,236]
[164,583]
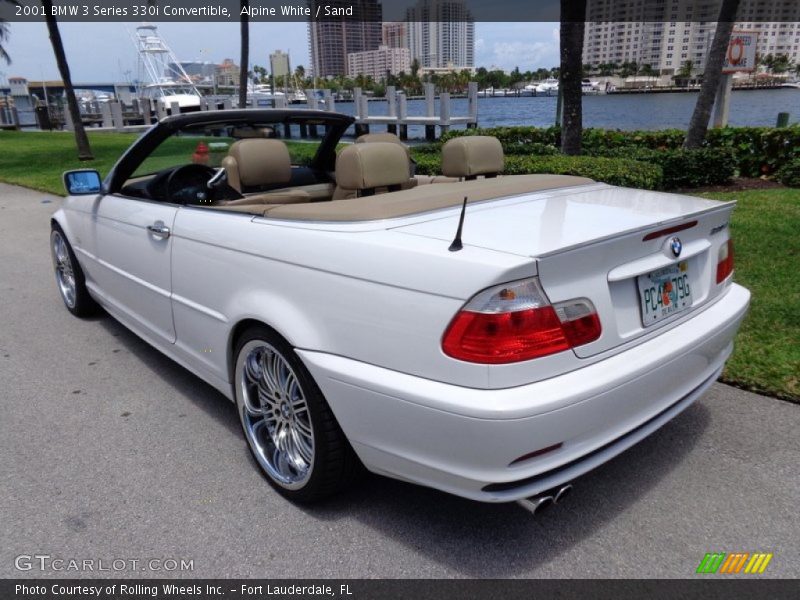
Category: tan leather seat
[472,155]
[367,169]
[259,162]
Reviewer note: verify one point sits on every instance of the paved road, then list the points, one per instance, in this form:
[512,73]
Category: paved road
[109,450]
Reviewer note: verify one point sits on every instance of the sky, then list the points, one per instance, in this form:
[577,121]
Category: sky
[103,52]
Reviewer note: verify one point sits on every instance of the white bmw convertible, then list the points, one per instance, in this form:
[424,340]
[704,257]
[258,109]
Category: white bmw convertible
[491,336]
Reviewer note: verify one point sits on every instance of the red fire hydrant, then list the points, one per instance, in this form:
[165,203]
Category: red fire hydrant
[200,155]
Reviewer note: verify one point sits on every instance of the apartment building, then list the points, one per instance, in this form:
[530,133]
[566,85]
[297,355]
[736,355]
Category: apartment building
[378,63]
[667,34]
[330,41]
[441,34]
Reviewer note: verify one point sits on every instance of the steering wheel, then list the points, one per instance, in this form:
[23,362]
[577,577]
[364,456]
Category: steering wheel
[191,184]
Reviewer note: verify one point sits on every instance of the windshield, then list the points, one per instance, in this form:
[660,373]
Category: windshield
[210,145]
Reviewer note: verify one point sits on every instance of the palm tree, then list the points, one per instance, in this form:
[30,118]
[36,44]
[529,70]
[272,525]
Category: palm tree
[4,36]
[81,140]
[573,14]
[712,75]
[244,60]
[686,69]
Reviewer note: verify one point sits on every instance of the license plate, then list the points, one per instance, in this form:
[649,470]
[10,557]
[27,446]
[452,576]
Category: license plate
[664,292]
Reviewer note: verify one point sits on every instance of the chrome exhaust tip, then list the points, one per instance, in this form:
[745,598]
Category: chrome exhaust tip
[562,493]
[537,504]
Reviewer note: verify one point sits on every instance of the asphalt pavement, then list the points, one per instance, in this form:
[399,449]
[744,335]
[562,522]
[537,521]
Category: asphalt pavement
[109,450]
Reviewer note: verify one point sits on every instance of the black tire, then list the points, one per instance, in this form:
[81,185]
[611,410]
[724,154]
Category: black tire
[333,465]
[79,302]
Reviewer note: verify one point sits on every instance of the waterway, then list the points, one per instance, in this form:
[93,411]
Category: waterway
[612,111]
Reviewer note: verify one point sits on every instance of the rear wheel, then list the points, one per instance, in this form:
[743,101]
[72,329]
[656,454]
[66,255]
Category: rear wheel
[69,276]
[287,423]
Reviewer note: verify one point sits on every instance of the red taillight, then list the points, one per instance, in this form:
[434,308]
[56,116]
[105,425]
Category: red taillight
[515,322]
[725,261]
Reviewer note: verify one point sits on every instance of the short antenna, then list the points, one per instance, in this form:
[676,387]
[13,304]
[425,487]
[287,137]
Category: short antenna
[457,245]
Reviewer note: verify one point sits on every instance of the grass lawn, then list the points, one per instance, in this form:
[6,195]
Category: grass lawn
[767,250]
[38,159]
[764,226]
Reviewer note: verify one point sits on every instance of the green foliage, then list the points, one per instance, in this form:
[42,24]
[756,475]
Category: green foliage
[755,151]
[683,168]
[789,174]
[628,173]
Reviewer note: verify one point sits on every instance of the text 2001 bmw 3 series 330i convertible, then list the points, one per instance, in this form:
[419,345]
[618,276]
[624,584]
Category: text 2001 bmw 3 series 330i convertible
[361,315]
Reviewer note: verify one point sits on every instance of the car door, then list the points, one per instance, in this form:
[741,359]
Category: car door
[133,246]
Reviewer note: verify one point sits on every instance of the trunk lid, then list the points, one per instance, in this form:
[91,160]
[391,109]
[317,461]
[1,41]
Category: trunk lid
[610,245]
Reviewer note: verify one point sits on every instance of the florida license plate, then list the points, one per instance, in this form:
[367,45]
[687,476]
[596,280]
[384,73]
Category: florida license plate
[664,292]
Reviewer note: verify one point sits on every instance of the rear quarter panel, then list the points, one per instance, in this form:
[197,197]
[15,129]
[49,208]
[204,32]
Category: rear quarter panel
[367,294]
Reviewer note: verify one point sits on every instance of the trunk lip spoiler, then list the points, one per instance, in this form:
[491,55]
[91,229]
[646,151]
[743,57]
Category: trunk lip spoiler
[723,206]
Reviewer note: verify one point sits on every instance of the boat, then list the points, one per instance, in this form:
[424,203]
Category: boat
[791,84]
[590,88]
[547,87]
[160,74]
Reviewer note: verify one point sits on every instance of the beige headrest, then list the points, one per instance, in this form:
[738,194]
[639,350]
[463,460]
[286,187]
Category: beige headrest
[260,161]
[373,165]
[371,138]
[472,155]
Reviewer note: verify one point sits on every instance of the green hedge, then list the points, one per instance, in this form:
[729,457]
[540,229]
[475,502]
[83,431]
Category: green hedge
[789,174]
[756,151]
[683,168]
[628,173]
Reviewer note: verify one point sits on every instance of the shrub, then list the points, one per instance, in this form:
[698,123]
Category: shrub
[628,173]
[756,151]
[614,171]
[789,174]
[684,168]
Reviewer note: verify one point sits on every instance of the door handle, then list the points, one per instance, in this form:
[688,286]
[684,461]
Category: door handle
[158,229]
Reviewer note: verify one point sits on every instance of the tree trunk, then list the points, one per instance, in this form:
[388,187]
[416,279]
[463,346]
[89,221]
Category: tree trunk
[84,150]
[712,75]
[244,60]
[573,14]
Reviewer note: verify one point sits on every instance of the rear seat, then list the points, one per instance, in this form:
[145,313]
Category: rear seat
[467,157]
[373,168]
[370,138]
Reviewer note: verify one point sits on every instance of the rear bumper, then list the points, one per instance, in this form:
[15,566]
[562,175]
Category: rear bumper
[463,440]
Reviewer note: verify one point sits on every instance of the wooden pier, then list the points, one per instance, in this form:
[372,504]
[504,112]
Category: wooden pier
[142,113]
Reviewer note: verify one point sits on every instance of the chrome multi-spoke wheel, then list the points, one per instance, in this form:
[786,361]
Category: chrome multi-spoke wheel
[289,426]
[275,415]
[69,276]
[65,275]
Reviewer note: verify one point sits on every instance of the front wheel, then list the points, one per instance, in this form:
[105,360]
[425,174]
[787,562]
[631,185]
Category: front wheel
[287,423]
[69,276]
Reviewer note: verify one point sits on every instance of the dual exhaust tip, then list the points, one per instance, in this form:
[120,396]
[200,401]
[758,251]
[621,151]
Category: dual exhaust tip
[537,504]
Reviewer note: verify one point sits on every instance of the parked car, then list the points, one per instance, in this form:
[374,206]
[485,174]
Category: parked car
[491,336]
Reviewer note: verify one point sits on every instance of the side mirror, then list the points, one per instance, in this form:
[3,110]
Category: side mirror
[82,182]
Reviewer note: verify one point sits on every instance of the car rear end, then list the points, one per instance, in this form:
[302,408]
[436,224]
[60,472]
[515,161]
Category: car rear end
[625,323]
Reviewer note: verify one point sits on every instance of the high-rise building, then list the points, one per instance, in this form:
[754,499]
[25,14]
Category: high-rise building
[378,63]
[667,35]
[330,41]
[395,34]
[441,34]
[279,65]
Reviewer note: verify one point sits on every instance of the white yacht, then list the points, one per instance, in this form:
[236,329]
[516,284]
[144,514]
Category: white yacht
[547,87]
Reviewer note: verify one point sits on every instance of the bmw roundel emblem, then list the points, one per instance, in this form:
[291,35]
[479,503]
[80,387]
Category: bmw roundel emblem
[676,246]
